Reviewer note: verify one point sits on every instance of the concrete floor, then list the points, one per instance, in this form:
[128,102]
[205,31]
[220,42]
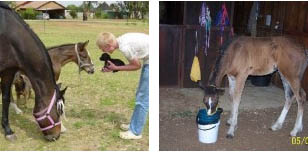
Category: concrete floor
[252,98]
[256,97]
[259,109]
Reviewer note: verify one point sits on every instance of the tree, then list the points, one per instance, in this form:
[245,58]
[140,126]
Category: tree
[73,14]
[87,7]
[72,7]
[137,9]
[102,6]
[144,9]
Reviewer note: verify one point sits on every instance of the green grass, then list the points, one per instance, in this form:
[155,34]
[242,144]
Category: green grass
[96,104]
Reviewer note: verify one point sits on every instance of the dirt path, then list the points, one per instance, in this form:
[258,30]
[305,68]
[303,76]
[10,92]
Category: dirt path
[178,130]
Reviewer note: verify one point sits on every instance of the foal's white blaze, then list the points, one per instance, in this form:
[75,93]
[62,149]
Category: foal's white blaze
[210,104]
[60,105]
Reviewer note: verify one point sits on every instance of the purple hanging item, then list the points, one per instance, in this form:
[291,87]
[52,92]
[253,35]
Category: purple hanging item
[205,21]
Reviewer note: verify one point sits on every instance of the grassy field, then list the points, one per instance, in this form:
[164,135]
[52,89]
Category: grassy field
[96,104]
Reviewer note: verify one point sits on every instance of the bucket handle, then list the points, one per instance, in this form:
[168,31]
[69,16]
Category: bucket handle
[207,129]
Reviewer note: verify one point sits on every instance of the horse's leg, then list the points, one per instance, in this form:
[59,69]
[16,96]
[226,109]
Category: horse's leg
[288,93]
[235,95]
[231,93]
[13,103]
[300,96]
[6,83]
[15,107]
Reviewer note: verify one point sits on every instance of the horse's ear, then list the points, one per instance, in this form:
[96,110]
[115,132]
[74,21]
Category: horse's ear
[63,91]
[85,43]
[59,85]
[220,91]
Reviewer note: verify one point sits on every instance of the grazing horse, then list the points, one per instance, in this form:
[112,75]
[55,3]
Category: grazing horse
[60,56]
[245,56]
[21,49]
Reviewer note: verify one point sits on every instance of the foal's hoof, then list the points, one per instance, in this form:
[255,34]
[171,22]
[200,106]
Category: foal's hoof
[11,137]
[229,136]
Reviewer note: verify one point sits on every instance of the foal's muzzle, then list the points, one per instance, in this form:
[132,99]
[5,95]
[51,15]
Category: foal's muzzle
[89,68]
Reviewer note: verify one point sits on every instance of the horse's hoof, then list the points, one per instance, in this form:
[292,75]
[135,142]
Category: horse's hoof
[11,137]
[229,136]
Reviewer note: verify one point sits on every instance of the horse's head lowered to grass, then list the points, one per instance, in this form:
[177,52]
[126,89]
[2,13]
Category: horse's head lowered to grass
[22,50]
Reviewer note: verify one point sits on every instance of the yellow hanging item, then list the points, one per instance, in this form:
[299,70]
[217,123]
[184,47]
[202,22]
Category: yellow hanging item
[195,74]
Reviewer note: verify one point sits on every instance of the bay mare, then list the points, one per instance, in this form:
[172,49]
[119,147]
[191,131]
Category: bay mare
[244,56]
[22,50]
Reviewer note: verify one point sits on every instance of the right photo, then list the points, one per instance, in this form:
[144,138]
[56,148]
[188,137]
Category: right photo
[233,75]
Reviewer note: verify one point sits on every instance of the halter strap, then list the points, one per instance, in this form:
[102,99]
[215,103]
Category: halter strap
[81,64]
[47,114]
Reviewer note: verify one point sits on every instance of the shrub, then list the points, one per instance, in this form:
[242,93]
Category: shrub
[105,16]
[73,14]
[98,14]
[29,13]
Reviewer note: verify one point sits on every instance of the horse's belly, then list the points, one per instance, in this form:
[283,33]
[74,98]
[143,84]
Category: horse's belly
[263,70]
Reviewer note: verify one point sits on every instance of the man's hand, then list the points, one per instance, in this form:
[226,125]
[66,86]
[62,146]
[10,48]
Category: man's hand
[111,67]
[105,69]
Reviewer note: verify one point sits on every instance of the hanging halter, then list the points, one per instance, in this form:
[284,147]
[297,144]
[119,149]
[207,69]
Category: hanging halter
[45,114]
[81,63]
[197,46]
[205,21]
[222,20]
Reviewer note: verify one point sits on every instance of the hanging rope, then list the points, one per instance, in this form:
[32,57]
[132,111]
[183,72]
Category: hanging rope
[205,21]
[222,20]
[196,46]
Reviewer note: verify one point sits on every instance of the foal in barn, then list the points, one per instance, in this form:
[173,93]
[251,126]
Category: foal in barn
[244,56]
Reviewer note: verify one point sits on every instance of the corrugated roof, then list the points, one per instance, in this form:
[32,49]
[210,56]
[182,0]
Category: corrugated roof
[35,4]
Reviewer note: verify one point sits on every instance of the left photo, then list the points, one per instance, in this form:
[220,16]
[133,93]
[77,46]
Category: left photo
[74,75]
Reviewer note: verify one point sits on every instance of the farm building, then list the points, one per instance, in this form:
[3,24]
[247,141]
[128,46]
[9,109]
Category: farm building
[182,37]
[54,9]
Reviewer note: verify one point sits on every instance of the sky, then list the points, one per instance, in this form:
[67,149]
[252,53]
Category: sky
[78,3]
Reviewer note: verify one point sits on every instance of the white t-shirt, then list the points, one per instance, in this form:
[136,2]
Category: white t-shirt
[134,46]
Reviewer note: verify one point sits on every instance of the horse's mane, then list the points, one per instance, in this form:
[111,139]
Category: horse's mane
[58,46]
[34,36]
[221,54]
[4,5]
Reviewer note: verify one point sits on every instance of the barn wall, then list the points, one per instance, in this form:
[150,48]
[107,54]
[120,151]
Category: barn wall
[170,46]
[177,42]
[293,17]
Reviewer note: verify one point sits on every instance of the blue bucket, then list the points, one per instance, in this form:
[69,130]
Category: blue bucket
[204,119]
